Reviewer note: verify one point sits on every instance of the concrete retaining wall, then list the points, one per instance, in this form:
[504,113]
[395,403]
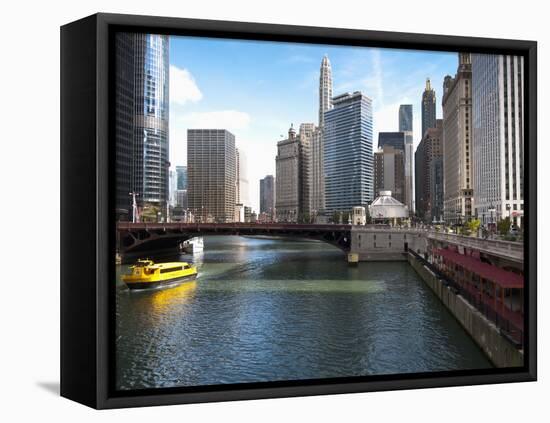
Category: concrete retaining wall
[498,349]
[386,244]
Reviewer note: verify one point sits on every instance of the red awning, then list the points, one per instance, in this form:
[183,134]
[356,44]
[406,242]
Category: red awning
[501,277]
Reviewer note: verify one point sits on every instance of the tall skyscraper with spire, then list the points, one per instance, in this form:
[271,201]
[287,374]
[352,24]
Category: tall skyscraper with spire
[325,90]
[317,143]
[428,107]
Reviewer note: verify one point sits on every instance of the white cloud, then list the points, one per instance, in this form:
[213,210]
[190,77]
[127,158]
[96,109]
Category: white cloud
[232,120]
[374,84]
[385,119]
[299,58]
[183,88]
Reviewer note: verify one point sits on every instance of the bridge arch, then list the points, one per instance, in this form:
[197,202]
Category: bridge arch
[146,237]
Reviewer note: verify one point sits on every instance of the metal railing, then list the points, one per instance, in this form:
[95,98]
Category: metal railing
[495,246]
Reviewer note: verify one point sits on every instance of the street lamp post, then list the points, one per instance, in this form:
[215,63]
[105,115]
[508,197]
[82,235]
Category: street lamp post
[491,211]
[135,216]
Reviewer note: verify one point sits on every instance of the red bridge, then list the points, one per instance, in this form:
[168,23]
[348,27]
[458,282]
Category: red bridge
[141,237]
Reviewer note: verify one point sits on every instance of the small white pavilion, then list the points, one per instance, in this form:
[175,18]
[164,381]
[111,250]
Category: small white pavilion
[386,209]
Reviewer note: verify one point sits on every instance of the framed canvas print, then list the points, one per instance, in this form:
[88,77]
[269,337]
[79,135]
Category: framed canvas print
[254,211]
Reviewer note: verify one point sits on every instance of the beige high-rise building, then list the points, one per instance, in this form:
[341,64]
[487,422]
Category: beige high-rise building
[317,175]
[389,172]
[457,143]
[306,135]
[211,173]
[292,192]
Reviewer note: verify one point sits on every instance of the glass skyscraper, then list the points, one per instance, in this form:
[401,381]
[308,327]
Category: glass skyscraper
[348,153]
[406,126]
[151,113]
[405,118]
[392,139]
[142,62]
[181,172]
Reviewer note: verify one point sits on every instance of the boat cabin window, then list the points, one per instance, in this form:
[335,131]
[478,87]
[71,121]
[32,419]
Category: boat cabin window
[171,269]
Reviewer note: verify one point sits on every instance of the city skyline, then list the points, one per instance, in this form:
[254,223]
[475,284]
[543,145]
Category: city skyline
[148,174]
[206,94]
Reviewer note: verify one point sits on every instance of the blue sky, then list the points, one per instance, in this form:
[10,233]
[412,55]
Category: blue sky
[257,89]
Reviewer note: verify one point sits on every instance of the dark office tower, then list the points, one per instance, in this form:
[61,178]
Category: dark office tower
[124,123]
[267,195]
[430,148]
[428,107]
[141,116]
[406,118]
[436,189]
[392,139]
[212,175]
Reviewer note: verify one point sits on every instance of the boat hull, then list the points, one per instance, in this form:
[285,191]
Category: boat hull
[141,285]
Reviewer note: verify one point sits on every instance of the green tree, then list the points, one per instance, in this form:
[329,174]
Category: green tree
[305,218]
[472,226]
[345,217]
[368,216]
[503,226]
[149,213]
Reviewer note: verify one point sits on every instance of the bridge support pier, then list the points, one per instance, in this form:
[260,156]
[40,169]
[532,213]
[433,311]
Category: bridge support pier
[353,259]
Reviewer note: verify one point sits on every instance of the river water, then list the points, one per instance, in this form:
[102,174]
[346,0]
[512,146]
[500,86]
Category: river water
[275,309]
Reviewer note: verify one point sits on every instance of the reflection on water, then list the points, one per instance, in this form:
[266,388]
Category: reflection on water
[164,299]
[273,309]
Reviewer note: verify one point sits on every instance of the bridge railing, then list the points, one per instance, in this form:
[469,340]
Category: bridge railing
[258,226]
[507,248]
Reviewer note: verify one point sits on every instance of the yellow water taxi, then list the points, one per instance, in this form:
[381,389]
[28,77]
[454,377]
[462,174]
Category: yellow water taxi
[147,274]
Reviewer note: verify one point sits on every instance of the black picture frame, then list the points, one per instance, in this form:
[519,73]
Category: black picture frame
[87,238]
